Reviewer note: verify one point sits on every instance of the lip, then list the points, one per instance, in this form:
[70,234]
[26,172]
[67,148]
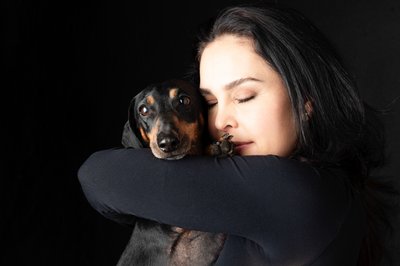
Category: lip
[241,145]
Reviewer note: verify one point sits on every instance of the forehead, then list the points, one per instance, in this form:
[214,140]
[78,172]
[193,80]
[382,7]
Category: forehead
[159,94]
[164,91]
[230,58]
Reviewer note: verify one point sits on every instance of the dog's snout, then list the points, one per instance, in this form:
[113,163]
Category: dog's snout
[167,142]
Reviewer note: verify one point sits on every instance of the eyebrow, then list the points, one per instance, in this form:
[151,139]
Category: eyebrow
[231,84]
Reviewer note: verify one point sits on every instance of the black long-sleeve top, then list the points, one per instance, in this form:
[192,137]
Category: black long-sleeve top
[276,211]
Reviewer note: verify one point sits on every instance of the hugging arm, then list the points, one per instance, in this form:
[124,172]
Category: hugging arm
[262,198]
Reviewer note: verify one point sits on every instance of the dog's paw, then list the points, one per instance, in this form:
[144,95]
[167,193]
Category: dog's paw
[223,147]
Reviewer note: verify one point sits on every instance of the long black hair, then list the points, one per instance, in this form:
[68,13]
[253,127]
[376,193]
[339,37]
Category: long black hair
[335,127]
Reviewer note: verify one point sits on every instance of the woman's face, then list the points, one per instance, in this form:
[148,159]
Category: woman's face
[246,98]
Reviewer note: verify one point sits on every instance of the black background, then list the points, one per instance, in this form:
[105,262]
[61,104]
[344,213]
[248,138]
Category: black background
[71,68]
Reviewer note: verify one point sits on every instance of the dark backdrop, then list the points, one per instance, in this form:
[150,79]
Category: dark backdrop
[71,68]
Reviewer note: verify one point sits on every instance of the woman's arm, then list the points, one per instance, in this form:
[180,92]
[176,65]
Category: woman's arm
[257,197]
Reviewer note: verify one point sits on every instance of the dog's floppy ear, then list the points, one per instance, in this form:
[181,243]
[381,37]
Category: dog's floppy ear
[130,137]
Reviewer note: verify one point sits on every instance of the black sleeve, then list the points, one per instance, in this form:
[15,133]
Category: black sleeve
[267,199]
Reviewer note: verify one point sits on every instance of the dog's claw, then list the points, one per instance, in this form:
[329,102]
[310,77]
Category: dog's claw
[223,147]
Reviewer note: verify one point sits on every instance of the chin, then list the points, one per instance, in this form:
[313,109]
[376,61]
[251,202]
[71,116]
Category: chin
[245,151]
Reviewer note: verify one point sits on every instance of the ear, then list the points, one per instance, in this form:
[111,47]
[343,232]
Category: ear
[130,135]
[129,139]
[308,110]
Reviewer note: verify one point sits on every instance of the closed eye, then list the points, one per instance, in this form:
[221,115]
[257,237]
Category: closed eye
[211,104]
[246,99]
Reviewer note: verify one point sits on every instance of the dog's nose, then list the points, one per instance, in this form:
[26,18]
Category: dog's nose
[167,143]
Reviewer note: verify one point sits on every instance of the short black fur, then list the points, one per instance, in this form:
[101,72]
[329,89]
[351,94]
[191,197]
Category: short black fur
[169,118]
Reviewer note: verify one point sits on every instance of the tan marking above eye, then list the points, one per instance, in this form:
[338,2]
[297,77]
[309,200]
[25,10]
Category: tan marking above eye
[150,100]
[173,93]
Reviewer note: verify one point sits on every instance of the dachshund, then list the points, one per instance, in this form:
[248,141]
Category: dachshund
[169,118]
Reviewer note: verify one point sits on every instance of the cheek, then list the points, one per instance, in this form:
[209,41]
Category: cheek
[283,134]
[274,128]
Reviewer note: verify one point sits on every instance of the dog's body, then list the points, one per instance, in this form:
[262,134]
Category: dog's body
[169,118]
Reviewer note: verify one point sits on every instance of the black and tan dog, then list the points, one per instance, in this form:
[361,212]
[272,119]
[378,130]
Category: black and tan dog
[169,118]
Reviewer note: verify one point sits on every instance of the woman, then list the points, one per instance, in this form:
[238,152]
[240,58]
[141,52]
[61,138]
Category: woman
[295,193]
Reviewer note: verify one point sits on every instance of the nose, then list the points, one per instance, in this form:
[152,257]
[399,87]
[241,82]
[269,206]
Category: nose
[224,119]
[167,142]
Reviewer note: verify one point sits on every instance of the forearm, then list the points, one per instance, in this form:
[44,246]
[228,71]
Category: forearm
[271,201]
[206,193]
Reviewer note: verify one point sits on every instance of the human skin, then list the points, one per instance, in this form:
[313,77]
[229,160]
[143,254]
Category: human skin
[247,98]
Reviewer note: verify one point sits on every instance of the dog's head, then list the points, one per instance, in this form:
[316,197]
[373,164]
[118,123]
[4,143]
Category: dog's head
[168,118]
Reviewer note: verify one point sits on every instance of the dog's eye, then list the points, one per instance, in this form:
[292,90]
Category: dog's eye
[185,100]
[143,110]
